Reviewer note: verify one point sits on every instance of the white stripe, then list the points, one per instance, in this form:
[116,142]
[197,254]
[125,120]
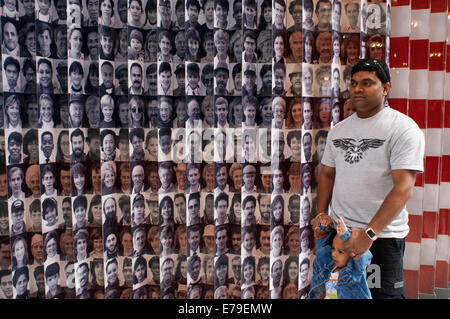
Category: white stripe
[447,87]
[417,89]
[446,139]
[430,197]
[398,17]
[433,142]
[428,251]
[444,199]
[436,80]
[420,24]
[438,23]
[414,204]
[442,248]
[411,259]
[399,76]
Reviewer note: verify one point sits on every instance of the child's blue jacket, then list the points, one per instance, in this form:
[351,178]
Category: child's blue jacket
[351,283]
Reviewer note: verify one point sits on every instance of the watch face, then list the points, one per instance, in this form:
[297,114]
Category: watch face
[371,233]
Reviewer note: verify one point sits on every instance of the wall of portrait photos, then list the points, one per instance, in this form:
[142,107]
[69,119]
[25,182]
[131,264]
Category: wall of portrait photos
[170,148]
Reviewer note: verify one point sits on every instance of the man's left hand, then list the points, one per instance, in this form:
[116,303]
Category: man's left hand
[358,243]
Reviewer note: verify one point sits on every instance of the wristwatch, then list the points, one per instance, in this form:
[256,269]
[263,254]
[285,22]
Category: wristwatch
[371,234]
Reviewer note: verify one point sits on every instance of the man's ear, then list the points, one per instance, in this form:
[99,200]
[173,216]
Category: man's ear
[386,88]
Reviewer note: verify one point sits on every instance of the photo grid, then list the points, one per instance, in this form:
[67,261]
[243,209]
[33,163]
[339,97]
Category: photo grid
[160,149]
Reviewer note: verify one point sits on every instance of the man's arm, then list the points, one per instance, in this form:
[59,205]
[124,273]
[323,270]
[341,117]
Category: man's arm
[325,188]
[404,181]
[324,191]
[393,203]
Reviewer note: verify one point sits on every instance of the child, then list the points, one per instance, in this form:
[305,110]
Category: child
[165,79]
[49,212]
[43,12]
[137,141]
[17,214]
[76,74]
[193,78]
[135,49]
[9,9]
[107,107]
[336,275]
[106,43]
[79,212]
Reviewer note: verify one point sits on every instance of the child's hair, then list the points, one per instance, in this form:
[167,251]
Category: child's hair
[193,3]
[76,67]
[165,131]
[192,34]
[106,32]
[193,69]
[34,206]
[237,69]
[80,201]
[138,132]
[164,67]
[106,99]
[47,205]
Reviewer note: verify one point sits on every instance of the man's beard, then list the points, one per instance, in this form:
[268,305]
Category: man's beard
[78,153]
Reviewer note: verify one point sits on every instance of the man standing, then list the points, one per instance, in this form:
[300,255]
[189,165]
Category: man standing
[378,151]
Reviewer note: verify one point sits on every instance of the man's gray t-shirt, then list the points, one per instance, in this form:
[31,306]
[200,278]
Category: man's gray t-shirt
[364,152]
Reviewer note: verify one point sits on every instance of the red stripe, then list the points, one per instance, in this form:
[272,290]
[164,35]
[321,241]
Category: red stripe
[399,52]
[415,229]
[398,3]
[432,169]
[444,221]
[447,59]
[417,111]
[400,105]
[435,113]
[419,54]
[426,279]
[441,274]
[411,283]
[419,180]
[420,4]
[437,54]
[429,228]
[438,6]
[447,113]
[445,171]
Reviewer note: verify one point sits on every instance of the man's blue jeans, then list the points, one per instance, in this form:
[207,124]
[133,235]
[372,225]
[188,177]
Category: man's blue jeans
[388,254]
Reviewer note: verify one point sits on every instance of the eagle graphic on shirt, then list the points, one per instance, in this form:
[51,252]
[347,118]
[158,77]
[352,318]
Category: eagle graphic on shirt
[355,149]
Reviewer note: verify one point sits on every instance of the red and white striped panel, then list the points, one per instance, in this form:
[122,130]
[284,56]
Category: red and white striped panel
[433,151]
[398,99]
[443,237]
[443,232]
[418,94]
